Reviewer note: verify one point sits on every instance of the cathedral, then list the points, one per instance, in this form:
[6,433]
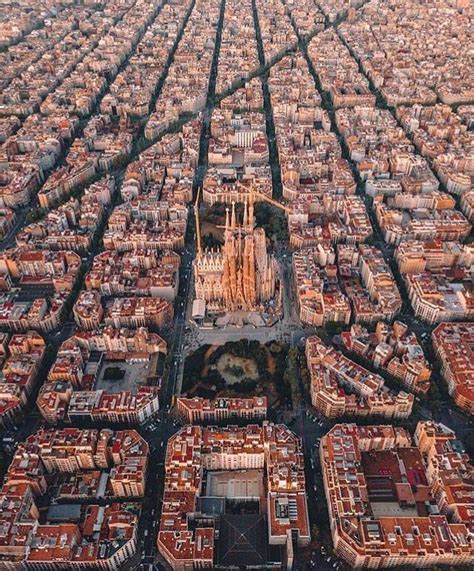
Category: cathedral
[241,275]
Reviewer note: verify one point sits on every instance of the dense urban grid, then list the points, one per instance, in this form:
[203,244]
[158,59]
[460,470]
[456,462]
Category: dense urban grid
[236,284]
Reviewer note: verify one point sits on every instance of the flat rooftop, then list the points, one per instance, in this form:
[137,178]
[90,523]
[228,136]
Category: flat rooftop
[235,484]
[133,375]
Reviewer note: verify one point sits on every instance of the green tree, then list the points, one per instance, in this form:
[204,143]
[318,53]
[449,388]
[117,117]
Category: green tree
[315,533]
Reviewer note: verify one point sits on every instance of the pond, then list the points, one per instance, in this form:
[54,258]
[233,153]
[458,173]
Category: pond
[234,369]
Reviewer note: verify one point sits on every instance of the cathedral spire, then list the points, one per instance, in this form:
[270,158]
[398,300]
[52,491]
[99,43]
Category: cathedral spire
[233,223]
[227,220]
[251,214]
[246,214]
[240,245]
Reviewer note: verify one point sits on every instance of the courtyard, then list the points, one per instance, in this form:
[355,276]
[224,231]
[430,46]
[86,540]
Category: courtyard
[133,374]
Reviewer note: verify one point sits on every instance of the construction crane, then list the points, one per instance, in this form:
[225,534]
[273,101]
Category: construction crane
[197,223]
[264,197]
[252,194]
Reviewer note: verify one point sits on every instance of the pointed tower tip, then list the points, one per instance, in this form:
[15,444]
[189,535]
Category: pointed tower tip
[251,215]
[227,219]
